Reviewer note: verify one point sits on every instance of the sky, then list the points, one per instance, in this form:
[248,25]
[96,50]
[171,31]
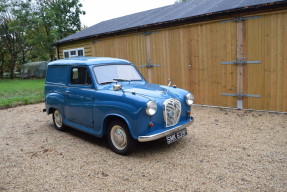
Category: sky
[102,10]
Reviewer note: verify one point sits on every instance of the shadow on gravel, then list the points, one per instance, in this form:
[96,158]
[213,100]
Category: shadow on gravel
[141,150]
[101,142]
[154,147]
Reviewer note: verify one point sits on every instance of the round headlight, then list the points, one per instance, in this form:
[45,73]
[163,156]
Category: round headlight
[189,99]
[151,108]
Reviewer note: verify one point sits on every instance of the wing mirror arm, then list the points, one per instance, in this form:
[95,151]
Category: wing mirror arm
[169,82]
[117,87]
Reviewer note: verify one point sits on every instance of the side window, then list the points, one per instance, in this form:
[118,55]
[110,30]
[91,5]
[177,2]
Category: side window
[80,76]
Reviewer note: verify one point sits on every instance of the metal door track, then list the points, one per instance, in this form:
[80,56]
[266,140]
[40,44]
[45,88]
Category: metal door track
[148,66]
[240,95]
[240,62]
[221,107]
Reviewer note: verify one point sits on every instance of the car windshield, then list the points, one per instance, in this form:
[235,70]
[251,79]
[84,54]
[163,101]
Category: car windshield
[114,73]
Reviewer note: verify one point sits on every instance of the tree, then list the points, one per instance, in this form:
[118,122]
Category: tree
[28,29]
[54,20]
[11,34]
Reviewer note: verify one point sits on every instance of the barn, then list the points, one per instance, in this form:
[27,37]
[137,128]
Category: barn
[227,53]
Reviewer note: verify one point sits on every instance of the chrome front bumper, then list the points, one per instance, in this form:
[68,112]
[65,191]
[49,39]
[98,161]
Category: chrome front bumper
[165,133]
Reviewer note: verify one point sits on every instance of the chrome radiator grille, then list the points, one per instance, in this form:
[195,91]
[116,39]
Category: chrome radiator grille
[171,112]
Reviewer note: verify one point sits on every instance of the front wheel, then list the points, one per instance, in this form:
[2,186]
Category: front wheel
[119,138]
[58,121]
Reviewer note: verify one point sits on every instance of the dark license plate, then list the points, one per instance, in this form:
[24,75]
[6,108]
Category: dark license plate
[176,136]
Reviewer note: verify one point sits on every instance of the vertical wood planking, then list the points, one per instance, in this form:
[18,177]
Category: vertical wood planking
[211,44]
[160,56]
[230,49]
[264,41]
[284,90]
[132,48]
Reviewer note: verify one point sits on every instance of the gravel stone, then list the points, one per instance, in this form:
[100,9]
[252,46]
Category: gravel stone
[225,150]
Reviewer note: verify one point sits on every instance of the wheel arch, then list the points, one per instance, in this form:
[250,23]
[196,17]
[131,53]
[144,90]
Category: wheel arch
[53,102]
[111,117]
[51,110]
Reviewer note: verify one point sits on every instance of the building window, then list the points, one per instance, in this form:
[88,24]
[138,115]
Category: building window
[80,52]
[66,54]
[74,53]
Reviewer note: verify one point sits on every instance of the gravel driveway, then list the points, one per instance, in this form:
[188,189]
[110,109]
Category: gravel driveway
[225,150]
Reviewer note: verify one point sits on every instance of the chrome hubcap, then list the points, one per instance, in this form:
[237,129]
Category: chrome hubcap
[58,118]
[118,137]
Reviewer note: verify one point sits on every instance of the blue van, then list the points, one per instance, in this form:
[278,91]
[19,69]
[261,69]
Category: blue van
[109,97]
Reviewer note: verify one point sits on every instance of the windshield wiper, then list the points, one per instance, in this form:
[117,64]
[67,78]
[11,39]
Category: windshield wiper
[108,82]
[121,79]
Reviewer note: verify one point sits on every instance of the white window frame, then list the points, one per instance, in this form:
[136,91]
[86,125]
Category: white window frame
[70,50]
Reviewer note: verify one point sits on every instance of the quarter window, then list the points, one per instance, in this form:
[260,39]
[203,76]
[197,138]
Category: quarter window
[80,76]
[74,53]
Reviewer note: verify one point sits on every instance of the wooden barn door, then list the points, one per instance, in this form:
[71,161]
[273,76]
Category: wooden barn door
[211,44]
[265,39]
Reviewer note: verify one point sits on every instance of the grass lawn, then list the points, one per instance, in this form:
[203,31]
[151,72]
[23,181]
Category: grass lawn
[21,92]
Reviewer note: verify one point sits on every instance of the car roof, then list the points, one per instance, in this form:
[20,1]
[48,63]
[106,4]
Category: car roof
[90,61]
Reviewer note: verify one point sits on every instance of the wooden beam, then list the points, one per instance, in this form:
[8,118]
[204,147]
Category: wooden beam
[148,56]
[240,56]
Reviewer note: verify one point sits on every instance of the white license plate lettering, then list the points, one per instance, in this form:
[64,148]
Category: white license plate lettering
[176,136]
[171,138]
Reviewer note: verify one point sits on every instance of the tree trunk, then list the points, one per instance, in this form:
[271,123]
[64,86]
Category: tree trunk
[52,55]
[1,65]
[1,70]
[12,73]
[12,66]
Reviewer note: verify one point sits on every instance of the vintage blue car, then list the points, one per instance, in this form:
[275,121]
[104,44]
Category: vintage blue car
[109,97]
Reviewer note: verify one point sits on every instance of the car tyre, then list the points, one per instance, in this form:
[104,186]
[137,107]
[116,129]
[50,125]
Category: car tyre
[119,138]
[58,120]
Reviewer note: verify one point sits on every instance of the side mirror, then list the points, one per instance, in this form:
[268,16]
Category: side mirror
[117,87]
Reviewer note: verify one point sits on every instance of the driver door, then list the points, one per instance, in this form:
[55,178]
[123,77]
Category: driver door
[79,97]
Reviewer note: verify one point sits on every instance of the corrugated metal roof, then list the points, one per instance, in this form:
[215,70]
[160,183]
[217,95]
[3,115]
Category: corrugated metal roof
[169,13]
